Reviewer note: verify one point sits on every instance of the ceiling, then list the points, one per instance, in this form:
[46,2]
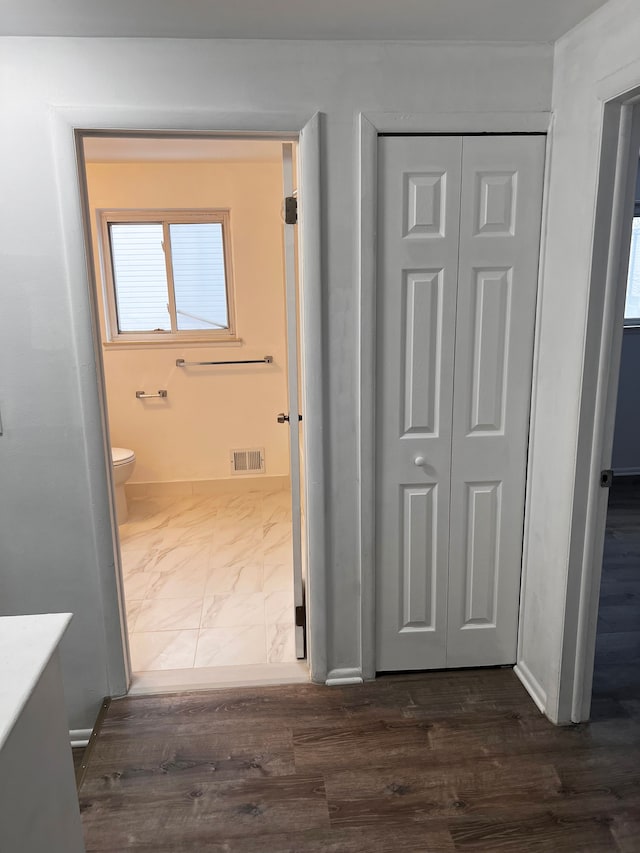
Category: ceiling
[101,149]
[481,20]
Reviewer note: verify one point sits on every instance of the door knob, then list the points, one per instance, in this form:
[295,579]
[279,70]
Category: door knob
[419,461]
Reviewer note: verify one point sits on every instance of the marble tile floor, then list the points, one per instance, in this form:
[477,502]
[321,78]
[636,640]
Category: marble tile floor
[208,581]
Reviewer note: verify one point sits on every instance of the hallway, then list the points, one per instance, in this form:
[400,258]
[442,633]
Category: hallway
[426,763]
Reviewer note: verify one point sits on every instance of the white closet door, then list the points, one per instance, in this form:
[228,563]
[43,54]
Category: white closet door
[497,283]
[458,245]
[419,208]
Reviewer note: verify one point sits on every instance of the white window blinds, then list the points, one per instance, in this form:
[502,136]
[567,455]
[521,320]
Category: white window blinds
[140,277]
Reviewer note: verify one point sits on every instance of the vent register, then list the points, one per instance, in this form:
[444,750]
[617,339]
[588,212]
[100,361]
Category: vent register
[248,461]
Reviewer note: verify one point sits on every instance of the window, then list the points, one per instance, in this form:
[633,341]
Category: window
[632,302]
[167,275]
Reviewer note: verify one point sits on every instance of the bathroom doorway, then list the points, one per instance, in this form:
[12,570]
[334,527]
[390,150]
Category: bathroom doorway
[195,259]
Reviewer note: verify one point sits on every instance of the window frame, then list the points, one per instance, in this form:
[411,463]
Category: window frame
[165,217]
[632,322]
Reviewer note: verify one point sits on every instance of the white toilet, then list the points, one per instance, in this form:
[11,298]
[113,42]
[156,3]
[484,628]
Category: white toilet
[124,461]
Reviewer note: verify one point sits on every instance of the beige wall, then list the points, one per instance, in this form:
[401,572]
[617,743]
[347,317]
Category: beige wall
[208,410]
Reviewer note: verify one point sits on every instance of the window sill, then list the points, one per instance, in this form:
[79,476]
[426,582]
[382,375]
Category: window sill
[173,344]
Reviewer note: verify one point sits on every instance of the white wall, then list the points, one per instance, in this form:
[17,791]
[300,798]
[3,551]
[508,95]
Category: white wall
[56,548]
[596,49]
[208,411]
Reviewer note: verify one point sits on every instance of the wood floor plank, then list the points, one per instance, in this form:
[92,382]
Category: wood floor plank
[493,790]
[501,733]
[614,647]
[626,831]
[163,813]
[432,838]
[619,617]
[608,708]
[619,681]
[438,693]
[367,745]
[545,833]
[613,772]
[255,753]
[615,593]
[415,794]
[221,710]
[439,740]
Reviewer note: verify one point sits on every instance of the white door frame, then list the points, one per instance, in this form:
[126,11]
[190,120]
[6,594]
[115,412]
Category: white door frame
[620,100]
[289,188]
[65,122]
[370,125]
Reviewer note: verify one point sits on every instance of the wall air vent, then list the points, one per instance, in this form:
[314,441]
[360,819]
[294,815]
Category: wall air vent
[249,461]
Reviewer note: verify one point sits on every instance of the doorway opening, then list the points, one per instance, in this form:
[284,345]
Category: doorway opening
[196,275]
[616,677]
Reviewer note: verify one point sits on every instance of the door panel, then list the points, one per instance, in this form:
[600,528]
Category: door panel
[458,241]
[418,522]
[480,525]
[490,315]
[419,184]
[497,284]
[421,336]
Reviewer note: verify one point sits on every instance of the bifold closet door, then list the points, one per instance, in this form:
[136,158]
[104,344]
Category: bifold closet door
[501,205]
[419,213]
[458,242]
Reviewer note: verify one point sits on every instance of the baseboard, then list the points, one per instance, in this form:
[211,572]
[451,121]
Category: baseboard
[79,737]
[337,677]
[188,488]
[85,739]
[531,685]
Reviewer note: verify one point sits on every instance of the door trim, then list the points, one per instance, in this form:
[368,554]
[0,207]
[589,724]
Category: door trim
[306,128]
[619,140]
[370,125]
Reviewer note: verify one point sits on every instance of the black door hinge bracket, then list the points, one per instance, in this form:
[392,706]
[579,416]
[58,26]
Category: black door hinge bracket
[606,478]
[291,210]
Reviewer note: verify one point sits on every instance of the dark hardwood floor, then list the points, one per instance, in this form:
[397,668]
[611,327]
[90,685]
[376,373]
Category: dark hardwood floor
[616,682]
[443,762]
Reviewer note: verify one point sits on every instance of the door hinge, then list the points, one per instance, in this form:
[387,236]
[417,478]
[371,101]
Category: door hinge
[291,210]
[606,478]
[301,616]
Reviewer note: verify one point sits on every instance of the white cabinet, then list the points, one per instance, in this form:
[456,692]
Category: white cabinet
[38,800]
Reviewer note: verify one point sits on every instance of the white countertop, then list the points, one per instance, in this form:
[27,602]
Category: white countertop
[26,646]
